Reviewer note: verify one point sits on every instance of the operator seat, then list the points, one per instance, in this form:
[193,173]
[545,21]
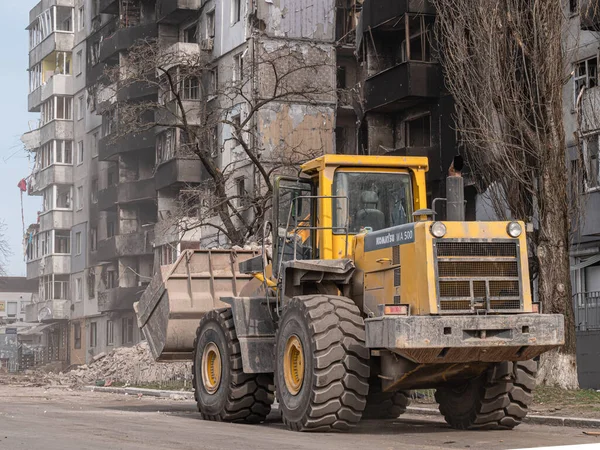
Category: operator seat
[370,216]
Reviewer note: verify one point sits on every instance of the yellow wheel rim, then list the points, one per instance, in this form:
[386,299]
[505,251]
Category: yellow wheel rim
[293,365]
[211,368]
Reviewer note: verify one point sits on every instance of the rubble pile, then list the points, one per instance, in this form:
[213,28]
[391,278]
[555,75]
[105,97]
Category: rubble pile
[130,365]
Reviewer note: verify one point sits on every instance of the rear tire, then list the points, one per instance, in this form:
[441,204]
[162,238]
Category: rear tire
[497,400]
[322,368]
[384,405]
[223,392]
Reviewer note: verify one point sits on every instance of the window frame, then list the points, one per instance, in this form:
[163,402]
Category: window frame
[93,334]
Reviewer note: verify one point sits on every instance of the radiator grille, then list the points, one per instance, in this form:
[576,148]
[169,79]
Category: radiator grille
[465,249]
[475,275]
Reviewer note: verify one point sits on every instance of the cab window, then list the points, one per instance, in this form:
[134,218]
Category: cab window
[375,200]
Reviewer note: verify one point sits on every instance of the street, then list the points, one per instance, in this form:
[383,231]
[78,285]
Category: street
[57,419]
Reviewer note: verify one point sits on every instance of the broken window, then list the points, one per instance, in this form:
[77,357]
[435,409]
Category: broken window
[165,146]
[64,108]
[79,197]
[213,142]
[64,19]
[585,76]
[592,162]
[80,107]
[189,34]
[77,335]
[110,332]
[190,88]
[91,284]
[236,11]
[242,195]
[80,152]
[78,243]
[63,196]
[238,67]
[110,229]
[419,39]
[81,18]
[168,254]
[63,152]
[127,330]
[93,239]
[573,6]
[62,242]
[93,334]
[341,77]
[94,191]
[417,131]
[214,81]
[78,289]
[111,279]
[210,24]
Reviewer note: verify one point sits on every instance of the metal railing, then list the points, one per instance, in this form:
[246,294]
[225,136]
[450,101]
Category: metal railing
[586,306]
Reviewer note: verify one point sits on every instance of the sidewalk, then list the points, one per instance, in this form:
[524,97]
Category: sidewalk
[533,419]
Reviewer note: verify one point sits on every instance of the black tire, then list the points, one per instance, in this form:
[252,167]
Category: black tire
[384,405]
[497,400]
[335,384]
[240,397]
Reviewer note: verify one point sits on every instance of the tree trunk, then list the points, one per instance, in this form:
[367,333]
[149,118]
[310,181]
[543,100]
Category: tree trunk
[558,367]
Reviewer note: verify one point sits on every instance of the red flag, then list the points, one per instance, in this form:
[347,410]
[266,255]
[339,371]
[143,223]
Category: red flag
[22,185]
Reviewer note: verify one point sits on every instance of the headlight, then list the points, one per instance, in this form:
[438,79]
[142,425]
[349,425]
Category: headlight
[514,229]
[438,229]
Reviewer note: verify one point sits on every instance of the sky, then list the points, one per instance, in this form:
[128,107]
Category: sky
[14,121]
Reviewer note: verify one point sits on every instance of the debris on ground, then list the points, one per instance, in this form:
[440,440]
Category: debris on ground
[125,365]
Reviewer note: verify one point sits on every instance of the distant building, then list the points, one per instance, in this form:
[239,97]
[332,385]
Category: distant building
[15,294]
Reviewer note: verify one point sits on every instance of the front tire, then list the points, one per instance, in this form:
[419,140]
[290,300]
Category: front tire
[223,392]
[497,400]
[322,368]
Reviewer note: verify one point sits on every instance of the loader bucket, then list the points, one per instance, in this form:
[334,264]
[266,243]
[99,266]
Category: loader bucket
[181,293]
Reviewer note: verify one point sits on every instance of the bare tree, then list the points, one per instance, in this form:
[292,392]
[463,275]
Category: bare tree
[4,249]
[503,61]
[267,81]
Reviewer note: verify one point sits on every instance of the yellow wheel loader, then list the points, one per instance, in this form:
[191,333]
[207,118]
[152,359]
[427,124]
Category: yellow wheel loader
[365,296]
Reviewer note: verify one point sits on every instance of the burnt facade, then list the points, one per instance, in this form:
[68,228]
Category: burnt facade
[398,102]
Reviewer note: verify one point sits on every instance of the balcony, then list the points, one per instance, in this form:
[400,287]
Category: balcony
[54,174]
[120,298]
[132,244]
[48,311]
[178,171]
[137,91]
[56,219]
[56,129]
[124,38]
[133,191]
[48,265]
[376,13]
[402,86]
[589,13]
[108,7]
[56,42]
[31,140]
[176,11]
[110,146]
[56,85]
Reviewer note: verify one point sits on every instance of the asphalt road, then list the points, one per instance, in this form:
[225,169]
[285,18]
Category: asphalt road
[54,419]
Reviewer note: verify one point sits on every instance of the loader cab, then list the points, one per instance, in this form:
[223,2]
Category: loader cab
[317,215]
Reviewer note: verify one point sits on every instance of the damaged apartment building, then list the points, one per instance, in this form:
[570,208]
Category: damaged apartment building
[108,197]
[105,195]
[392,95]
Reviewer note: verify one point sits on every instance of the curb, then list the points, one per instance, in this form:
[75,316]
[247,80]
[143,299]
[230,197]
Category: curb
[554,421]
[576,422]
[174,395]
